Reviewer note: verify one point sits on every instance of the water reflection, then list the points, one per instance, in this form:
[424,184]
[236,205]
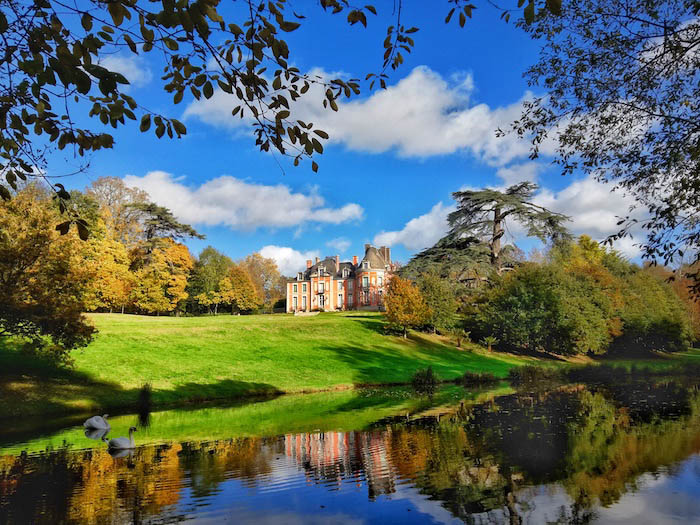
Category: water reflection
[571,455]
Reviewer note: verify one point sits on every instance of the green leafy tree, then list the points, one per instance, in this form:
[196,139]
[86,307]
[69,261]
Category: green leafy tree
[621,102]
[405,306]
[440,299]
[209,269]
[484,214]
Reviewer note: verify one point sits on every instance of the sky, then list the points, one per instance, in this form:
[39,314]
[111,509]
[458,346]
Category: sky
[394,158]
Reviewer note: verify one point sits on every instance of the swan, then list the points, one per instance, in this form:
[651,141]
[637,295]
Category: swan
[96,433]
[97,422]
[122,442]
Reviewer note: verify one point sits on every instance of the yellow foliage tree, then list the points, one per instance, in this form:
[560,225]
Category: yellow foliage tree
[161,282]
[405,306]
[240,292]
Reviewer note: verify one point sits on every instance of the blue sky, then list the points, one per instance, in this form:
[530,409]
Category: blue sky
[393,160]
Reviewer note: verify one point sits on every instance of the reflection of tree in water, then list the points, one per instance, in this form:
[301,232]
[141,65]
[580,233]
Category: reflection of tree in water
[483,462]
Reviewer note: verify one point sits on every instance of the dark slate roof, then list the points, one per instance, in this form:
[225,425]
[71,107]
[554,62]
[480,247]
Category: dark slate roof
[329,266]
[375,259]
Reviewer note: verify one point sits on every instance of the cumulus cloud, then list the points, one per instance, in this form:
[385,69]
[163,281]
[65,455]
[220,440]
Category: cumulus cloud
[341,244]
[289,261]
[422,115]
[134,68]
[594,210]
[515,173]
[420,232]
[239,204]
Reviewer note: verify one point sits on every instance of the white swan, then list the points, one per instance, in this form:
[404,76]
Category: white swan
[97,422]
[123,443]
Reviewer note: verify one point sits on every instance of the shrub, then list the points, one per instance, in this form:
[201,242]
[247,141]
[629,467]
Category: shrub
[425,381]
[478,379]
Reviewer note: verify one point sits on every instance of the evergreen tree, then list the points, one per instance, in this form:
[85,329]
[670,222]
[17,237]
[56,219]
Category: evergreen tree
[483,214]
[440,299]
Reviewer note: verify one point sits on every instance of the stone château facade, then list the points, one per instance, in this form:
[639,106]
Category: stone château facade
[331,285]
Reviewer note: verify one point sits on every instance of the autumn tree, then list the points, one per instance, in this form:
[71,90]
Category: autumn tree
[240,291]
[210,268]
[483,214]
[405,306]
[161,283]
[107,262]
[115,200]
[269,284]
[42,281]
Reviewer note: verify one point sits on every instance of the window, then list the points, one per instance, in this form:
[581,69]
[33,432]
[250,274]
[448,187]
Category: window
[350,285]
[349,300]
[299,276]
[303,303]
[322,301]
[294,302]
[294,288]
[340,285]
[365,282]
[340,300]
[366,297]
[303,287]
[380,280]
[321,287]
[345,273]
[365,264]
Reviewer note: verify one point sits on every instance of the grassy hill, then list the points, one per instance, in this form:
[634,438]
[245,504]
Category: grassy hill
[196,358]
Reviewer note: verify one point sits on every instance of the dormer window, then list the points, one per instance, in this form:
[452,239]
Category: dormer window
[300,276]
[365,264]
[345,273]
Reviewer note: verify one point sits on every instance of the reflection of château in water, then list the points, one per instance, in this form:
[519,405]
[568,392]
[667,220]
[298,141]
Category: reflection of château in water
[338,456]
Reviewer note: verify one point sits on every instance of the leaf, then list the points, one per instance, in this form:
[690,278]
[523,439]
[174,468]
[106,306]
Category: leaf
[371,9]
[529,12]
[321,134]
[179,127]
[86,22]
[5,193]
[554,6]
[83,231]
[63,228]
[314,166]
[288,27]
[145,123]
[449,16]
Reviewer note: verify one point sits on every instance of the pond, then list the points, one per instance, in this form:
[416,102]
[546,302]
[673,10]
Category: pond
[607,453]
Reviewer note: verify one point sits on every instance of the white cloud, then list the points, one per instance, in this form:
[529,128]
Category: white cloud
[134,68]
[594,210]
[289,261]
[420,232]
[240,205]
[341,244]
[515,173]
[420,116]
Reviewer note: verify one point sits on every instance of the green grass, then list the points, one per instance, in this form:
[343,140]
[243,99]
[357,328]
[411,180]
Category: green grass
[197,358]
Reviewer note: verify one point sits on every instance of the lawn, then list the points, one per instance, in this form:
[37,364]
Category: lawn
[196,358]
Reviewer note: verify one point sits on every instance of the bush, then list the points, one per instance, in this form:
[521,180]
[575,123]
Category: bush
[425,381]
[478,379]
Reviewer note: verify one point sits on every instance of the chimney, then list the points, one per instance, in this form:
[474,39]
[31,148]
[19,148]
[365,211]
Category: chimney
[317,260]
[308,263]
[367,247]
[354,260]
[386,253]
[337,263]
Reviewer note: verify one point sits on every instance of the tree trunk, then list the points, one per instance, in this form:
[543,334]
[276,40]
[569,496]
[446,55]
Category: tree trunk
[404,332]
[496,240]
[122,309]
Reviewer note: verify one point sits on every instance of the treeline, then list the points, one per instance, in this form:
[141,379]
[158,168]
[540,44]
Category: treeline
[576,298]
[126,255]
[579,298]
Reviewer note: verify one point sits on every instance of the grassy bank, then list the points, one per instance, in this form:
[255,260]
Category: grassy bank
[191,359]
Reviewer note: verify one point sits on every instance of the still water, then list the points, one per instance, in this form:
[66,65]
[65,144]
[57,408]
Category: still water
[615,453]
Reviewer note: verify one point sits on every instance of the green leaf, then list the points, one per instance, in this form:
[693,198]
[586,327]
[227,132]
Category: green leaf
[5,193]
[86,22]
[208,90]
[314,166]
[321,134]
[179,127]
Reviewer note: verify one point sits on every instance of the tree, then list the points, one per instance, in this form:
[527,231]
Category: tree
[209,269]
[621,103]
[483,214]
[440,299]
[405,306]
[42,281]
[51,69]
[115,200]
[159,223]
[269,284]
[161,284]
[240,291]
